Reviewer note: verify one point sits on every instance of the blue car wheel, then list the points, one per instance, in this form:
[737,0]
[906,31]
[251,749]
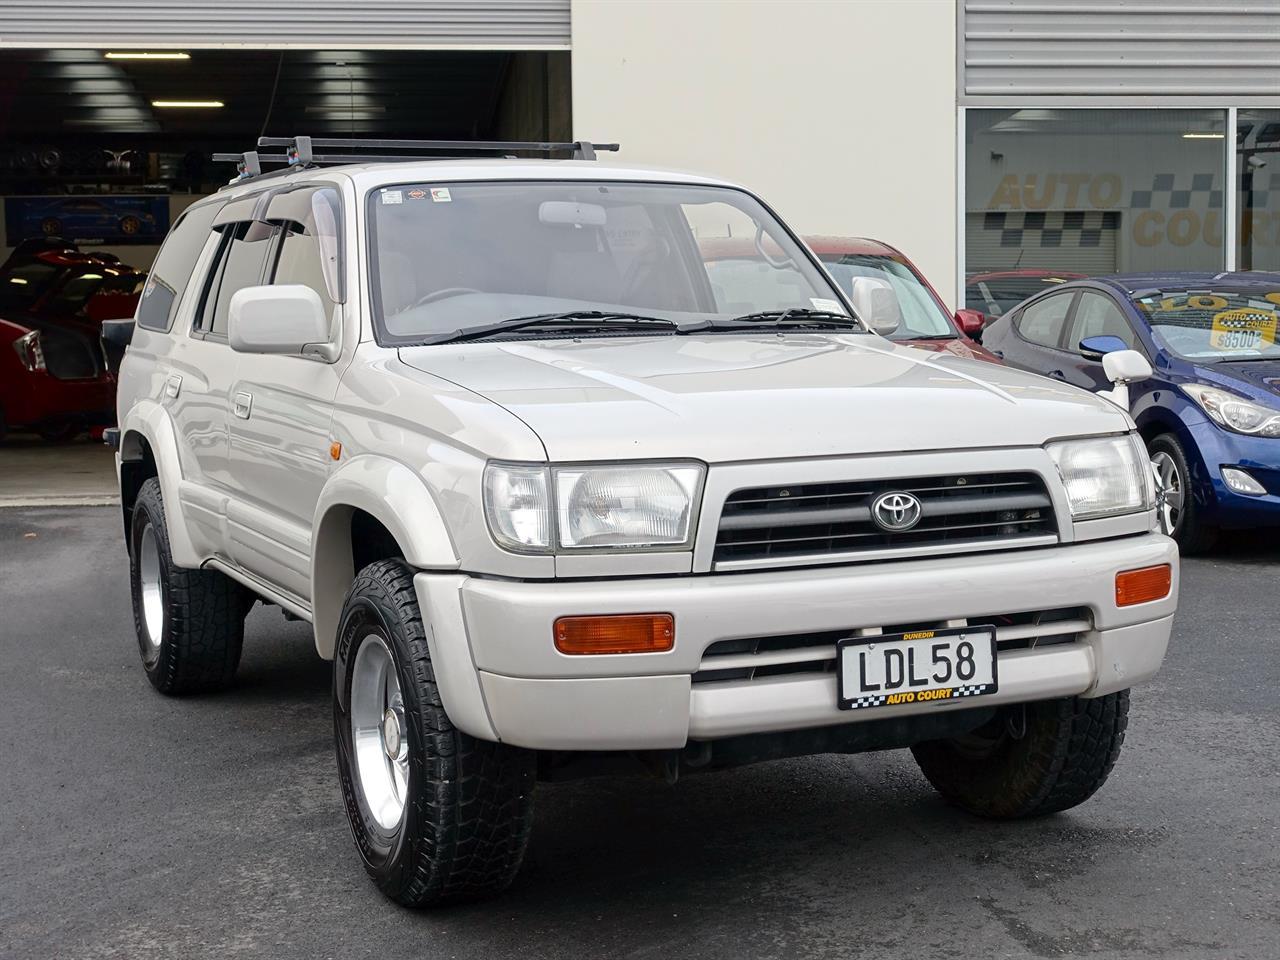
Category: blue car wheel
[1181,513]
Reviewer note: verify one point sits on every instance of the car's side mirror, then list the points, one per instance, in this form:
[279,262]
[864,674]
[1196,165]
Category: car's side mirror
[1125,366]
[971,322]
[288,319]
[876,303]
[1095,348]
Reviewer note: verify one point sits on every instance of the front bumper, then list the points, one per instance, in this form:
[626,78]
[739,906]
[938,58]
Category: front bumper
[1258,456]
[501,677]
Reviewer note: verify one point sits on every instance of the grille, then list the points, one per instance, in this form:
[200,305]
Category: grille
[755,658]
[817,519]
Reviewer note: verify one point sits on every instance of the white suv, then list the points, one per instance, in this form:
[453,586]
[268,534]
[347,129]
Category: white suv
[557,503]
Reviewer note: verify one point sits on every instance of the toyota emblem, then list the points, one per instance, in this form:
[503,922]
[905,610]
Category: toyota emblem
[896,511]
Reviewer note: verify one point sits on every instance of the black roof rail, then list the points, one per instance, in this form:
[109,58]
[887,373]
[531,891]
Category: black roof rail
[301,152]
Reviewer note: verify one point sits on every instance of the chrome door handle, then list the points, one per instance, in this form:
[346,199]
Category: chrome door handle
[172,386]
[242,405]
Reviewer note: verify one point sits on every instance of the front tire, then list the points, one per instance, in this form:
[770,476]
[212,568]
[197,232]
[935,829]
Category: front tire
[437,815]
[1030,760]
[190,623]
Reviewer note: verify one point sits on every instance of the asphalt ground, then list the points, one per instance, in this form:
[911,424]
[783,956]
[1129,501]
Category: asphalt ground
[136,826]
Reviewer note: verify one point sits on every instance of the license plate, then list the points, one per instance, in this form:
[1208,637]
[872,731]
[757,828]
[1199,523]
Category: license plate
[922,666]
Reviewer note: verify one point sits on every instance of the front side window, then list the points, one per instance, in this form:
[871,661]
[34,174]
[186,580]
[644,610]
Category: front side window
[452,256]
[1041,322]
[241,261]
[922,315]
[1213,325]
[1097,315]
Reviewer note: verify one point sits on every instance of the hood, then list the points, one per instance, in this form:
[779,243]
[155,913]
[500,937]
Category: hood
[723,398]
[957,346]
[1260,378]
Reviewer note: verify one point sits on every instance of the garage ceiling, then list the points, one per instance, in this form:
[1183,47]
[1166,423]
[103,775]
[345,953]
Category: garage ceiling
[62,96]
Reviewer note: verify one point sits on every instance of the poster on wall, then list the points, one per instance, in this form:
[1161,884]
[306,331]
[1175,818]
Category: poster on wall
[109,218]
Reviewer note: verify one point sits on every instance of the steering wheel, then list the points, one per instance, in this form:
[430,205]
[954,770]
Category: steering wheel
[442,294]
[759,243]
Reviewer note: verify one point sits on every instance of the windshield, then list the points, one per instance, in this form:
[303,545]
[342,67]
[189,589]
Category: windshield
[922,315]
[455,256]
[1214,325]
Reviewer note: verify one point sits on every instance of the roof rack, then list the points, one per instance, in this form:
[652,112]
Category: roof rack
[301,152]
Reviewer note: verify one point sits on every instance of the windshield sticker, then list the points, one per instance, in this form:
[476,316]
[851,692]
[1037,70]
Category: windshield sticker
[1245,329]
[820,304]
[440,195]
[417,194]
[392,196]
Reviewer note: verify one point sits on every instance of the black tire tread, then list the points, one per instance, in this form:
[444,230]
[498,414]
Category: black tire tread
[1195,534]
[205,616]
[1065,756]
[476,797]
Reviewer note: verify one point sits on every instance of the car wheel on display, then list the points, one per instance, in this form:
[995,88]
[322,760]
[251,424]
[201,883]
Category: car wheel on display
[1179,515]
[130,226]
[436,814]
[190,623]
[51,227]
[1030,759]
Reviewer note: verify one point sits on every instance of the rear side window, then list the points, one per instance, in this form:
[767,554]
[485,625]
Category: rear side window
[1042,321]
[172,270]
[242,257]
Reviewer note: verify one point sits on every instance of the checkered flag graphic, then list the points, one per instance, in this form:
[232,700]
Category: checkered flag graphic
[972,690]
[1062,228]
[867,702]
[1165,194]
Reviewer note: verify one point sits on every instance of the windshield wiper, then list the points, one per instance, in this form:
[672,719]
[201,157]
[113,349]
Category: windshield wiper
[802,316]
[930,336]
[599,319]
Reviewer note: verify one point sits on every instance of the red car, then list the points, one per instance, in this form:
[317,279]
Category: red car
[926,323]
[54,376]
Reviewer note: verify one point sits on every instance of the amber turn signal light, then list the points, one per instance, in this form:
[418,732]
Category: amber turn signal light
[1143,585]
[625,633]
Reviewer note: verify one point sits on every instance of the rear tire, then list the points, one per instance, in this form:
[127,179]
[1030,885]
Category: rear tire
[1030,760]
[1193,533]
[190,623]
[437,815]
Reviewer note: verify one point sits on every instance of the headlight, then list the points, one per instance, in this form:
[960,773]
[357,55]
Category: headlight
[1104,475]
[644,506]
[1233,412]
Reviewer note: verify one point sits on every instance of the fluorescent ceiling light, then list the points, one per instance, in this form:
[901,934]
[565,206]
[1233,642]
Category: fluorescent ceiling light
[181,104]
[1203,136]
[140,55]
[21,281]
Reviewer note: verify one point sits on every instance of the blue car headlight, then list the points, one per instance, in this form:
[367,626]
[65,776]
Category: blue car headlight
[1234,412]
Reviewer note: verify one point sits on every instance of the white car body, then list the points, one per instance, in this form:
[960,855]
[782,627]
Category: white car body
[265,459]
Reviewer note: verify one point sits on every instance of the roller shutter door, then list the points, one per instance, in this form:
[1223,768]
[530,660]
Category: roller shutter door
[308,24]
[1082,241]
[1119,47]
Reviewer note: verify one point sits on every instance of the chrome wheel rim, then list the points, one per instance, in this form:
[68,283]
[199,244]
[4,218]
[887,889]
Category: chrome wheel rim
[379,737]
[1169,490]
[151,589]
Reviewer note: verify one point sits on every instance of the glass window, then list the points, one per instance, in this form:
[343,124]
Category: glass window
[1042,321]
[1068,193]
[299,261]
[922,315]
[172,269]
[240,264]
[1227,322]
[25,284]
[479,253]
[1097,315]
[1258,186]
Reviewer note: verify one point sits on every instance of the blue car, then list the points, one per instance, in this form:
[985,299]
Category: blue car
[1210,415]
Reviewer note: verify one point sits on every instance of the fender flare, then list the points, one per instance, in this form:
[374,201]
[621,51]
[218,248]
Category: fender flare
[149,421]
[398,498]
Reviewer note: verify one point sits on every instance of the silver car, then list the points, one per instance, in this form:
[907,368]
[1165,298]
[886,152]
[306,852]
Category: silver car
[558,503]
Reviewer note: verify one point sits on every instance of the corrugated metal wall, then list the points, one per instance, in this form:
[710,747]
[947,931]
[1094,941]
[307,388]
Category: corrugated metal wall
[286,23]
[1120,47]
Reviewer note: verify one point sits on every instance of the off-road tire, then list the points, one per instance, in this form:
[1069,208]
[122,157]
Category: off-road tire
[1063,755]
[1193,533]
[203,627]
[469,803]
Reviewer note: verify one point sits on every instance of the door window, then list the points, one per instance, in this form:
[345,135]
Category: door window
[240,264]
[1097,315]
[1042,322]
[172,269]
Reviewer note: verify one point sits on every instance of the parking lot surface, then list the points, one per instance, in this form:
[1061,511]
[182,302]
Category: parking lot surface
[137,826]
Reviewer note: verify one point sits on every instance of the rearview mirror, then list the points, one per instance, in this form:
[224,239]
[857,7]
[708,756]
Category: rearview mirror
[568,213]
[971,322]
[289,319]
[876,304]
[1095,348]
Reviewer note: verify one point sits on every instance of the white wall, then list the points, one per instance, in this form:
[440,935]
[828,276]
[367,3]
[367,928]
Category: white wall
[840,113]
